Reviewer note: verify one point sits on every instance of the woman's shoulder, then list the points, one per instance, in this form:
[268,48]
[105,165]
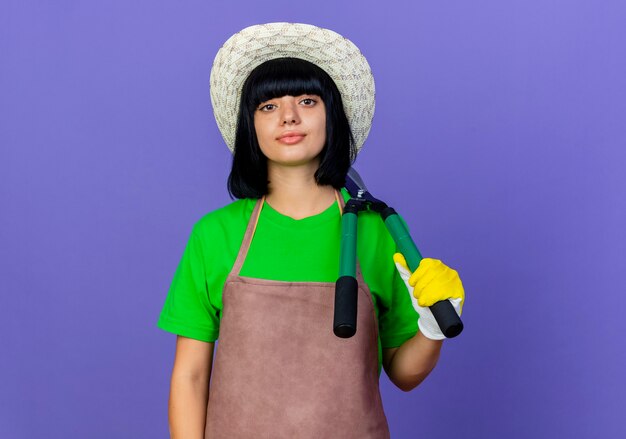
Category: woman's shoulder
[227,217]
[368,220]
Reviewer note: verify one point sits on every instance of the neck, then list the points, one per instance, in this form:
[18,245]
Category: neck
[294,192]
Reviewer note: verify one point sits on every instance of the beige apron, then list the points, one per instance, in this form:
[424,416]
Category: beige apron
[280,372]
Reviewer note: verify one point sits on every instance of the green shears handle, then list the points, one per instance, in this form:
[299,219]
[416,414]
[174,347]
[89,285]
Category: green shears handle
[448,320]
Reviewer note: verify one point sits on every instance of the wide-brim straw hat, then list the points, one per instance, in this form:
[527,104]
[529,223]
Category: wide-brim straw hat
[254,45]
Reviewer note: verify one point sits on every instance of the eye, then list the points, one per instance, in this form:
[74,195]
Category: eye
[266,107]
[309,102]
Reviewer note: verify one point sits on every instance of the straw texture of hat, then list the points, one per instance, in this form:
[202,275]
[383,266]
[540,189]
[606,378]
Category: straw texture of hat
[254,45]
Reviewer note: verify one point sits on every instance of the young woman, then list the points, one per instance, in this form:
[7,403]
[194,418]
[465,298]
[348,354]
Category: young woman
[295,103]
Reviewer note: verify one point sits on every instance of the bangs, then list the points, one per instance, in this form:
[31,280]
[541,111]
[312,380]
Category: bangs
[284,76]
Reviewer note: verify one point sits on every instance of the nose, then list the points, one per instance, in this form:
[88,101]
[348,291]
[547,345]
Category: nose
[290,114]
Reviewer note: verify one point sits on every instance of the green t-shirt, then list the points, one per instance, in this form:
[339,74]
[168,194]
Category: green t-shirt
[282,249]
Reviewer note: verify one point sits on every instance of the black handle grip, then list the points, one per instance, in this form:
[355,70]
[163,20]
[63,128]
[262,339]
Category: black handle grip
[346,297]
[448,320]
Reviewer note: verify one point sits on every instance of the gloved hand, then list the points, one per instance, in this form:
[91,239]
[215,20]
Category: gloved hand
[431,282]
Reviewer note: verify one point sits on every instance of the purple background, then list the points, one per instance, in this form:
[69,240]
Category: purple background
[499,135]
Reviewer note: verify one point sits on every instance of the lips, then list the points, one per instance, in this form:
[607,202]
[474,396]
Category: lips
[291,137]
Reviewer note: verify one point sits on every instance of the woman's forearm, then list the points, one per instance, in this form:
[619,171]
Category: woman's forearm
[189,388]
[187,406]
[411,363]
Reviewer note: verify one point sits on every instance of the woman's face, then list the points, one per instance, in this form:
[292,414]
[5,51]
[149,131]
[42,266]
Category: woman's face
[291,130]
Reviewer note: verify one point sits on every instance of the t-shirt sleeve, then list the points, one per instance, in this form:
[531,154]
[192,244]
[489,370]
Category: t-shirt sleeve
[398,320]
[187,310]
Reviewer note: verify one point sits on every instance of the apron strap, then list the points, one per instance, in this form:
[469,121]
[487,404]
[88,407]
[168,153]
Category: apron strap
[247,237]
[340,201]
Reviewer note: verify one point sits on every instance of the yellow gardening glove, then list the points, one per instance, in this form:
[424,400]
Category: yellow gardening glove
[432,282]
